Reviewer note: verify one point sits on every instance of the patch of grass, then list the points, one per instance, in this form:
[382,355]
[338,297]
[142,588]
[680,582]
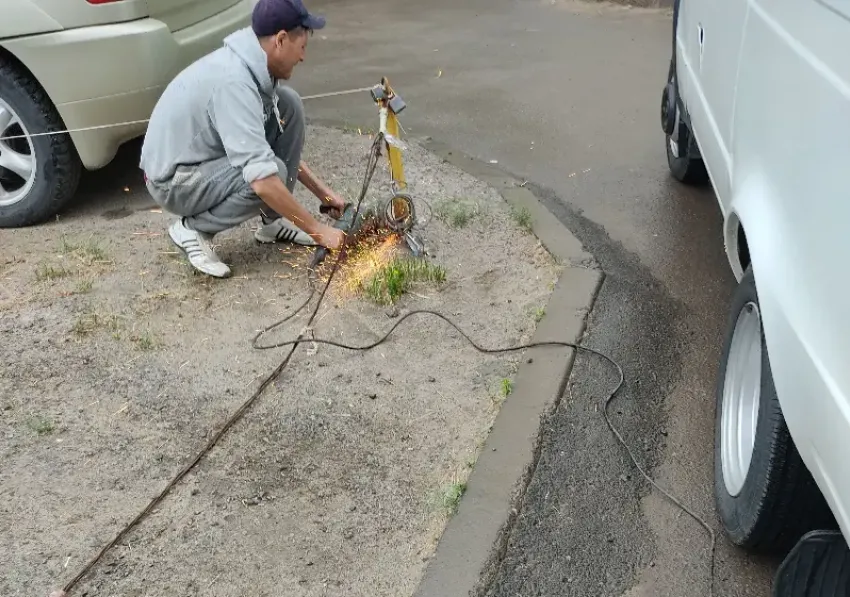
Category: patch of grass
[387,285]
[88,323]
[145,341]
[539,313]
[41,425]
[500,391]
[48,272]
[457,213]
[89,250]
[451,495]
[83,286]
[522,217]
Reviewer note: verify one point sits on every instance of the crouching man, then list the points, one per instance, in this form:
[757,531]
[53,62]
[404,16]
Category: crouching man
[224,141]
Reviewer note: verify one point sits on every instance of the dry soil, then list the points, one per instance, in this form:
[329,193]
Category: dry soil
[117,362]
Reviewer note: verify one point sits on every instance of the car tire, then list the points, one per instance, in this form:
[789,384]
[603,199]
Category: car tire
[684,166]
[57,168]
[768,503]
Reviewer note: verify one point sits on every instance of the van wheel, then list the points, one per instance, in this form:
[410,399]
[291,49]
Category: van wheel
[38,175]
[685,167]
[765,496]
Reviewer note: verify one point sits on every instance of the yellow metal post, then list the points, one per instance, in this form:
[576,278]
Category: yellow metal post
[394,153]
[396,163]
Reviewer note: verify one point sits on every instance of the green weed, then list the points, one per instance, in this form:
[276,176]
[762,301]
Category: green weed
[90,322]
[88,251]
[457,213]
[41,425]
[46,271]
[394,279]
[506,387]
[144,341]
[83,286]
[539,313]
[451,495]
[522,217]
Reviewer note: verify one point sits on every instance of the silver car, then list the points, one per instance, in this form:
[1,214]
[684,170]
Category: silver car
[88,64]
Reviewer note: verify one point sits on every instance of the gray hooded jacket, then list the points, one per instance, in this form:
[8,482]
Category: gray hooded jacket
[216,107]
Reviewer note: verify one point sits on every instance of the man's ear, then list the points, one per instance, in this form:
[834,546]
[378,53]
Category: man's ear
[281,38]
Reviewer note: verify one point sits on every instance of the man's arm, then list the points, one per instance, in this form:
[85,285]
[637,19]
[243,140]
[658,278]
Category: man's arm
[236,110]
[275,194]
[325,194]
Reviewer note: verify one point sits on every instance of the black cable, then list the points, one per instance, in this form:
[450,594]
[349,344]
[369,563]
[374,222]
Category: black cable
[610,398]
[293,344]
[236,416]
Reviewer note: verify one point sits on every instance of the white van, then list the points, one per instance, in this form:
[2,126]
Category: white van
[758,105]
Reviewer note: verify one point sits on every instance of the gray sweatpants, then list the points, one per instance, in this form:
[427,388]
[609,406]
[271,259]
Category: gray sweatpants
[214,197]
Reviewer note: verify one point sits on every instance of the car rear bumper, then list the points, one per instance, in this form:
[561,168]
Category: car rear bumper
[100,76]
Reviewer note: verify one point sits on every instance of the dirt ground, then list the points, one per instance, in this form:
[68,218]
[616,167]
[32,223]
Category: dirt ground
[117,363]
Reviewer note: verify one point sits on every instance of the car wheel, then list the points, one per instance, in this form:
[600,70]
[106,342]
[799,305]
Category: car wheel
[38,174]
[765,496]
[684,166]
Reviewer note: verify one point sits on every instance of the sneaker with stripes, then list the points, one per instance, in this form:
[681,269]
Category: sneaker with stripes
[197,247]
[282,230]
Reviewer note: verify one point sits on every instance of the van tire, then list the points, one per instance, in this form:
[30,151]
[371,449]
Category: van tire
[779,501]
[687,170]
[58,167]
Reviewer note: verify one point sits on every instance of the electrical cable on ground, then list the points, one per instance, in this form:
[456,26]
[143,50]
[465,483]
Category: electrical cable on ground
[236,416]
[293,345]
[613,394]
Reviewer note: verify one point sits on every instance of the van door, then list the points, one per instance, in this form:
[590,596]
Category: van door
[709,36]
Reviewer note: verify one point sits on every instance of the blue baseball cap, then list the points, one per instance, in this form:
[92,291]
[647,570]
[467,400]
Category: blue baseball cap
[270,17]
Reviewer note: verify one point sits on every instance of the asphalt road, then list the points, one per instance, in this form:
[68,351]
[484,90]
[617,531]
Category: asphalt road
[566,96]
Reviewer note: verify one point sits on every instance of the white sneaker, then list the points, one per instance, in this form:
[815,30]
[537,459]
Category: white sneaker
[197,247]
[282,230]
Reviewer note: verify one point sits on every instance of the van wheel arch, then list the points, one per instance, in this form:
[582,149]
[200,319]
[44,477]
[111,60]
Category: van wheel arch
[737,245]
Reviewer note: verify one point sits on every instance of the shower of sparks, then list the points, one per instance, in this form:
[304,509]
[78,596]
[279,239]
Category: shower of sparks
[363,261]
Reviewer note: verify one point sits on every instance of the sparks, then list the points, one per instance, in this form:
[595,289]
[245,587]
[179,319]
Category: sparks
[364,260]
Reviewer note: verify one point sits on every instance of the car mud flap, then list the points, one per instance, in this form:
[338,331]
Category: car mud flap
[818,566]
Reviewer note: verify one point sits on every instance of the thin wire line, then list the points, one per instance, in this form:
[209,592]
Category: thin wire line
[146,120]
[79,130]
[335,93]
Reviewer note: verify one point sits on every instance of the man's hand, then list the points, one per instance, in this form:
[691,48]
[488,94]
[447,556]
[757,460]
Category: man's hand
[274,193]
[329,237]
[334,203]
[324,193]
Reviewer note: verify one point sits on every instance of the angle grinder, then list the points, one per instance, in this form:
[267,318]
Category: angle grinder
[396,214]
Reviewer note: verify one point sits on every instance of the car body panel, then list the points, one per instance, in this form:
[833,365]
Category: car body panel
[793,119]
[24,17]
[785,163]
[709,41]
[79,13]
[179,14]
[143,56]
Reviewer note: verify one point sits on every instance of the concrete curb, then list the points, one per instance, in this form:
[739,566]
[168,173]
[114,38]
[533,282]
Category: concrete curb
[475,539]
